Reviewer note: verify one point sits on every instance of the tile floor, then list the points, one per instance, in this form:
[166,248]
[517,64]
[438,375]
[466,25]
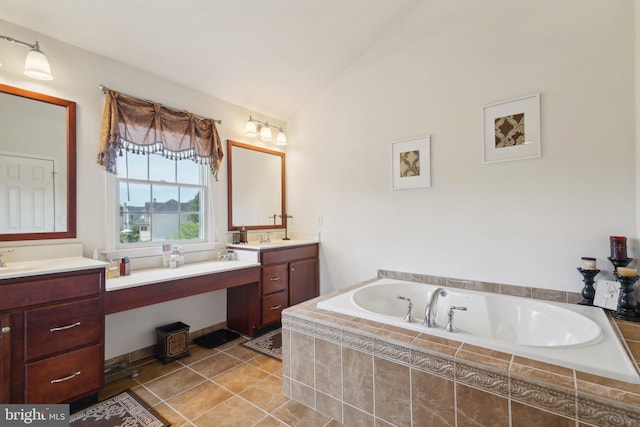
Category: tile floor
[230,385]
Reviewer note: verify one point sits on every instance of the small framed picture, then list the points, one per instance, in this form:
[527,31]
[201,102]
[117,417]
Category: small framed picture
[607,294]
[512,129]
[411,163]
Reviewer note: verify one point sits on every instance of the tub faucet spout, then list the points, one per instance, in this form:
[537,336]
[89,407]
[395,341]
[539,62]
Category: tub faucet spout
[432,308]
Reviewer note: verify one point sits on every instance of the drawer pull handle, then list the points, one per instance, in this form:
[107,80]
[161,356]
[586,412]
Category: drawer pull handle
[273,279]
[6,329]
[277,307]
[59,380]
[62,328]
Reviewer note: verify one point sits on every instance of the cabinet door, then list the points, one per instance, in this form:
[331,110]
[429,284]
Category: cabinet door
[303,280]
[5,358]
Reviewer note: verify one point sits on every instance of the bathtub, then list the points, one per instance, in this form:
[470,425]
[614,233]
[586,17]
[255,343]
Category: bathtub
[573,336]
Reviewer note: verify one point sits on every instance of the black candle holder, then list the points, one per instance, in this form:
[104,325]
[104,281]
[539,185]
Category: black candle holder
[627,304]
[623,262]
[588,292]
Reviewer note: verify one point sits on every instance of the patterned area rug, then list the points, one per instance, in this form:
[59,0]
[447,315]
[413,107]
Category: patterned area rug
[126,409]
[269,344]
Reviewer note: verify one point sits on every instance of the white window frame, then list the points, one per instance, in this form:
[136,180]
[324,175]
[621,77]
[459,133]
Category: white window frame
[135,250]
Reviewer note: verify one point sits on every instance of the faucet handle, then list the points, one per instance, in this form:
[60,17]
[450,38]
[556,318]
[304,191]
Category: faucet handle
[450,312]
[409,316]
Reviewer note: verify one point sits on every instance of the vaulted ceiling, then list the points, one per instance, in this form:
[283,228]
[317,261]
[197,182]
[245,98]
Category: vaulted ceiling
[269,56]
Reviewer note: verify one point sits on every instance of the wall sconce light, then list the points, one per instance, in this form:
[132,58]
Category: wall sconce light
[36,64]
[262,130]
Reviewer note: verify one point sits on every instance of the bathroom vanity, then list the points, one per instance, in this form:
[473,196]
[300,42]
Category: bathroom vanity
[52,343]
[289,275]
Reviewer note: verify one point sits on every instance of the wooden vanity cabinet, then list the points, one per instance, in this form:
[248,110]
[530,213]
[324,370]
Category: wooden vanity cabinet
[5,358]
[289,276]
[57,336]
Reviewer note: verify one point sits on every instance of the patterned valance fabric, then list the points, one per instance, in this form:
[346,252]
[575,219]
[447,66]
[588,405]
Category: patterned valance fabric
[144,127]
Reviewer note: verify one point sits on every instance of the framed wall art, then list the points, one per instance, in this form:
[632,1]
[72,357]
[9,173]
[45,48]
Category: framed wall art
[411,163]
[512,129]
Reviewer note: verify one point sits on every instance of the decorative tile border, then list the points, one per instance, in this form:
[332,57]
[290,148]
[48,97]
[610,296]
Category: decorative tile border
[601,414]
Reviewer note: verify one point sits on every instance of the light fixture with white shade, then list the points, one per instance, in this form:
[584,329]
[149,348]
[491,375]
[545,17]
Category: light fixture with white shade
[36,64]
[262,131]
[281,139]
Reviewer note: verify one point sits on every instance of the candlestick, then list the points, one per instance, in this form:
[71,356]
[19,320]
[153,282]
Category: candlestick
[618,245]
[626,302]
[588,263]
[619,262]
[588,292]
[624,271]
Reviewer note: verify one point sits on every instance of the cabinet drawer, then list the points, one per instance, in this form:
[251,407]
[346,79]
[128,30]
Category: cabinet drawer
[62,378]
[272,306]
[275,278]
[63,326]
[289,254]
[45,289]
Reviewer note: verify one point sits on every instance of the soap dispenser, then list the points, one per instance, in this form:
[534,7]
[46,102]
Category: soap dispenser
[243,235]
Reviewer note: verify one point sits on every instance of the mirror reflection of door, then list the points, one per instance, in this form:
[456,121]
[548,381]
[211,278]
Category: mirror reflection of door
[27,191]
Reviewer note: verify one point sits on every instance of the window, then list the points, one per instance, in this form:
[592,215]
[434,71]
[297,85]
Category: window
[160,200]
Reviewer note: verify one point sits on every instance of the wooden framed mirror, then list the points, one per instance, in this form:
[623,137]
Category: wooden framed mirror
[37,166]
[256,187]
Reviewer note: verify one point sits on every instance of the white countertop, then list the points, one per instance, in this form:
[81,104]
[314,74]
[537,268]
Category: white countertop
[48,266]
[274,244]
[157,275]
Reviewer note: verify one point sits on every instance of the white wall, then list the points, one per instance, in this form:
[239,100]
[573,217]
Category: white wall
[525,222]
[77,75]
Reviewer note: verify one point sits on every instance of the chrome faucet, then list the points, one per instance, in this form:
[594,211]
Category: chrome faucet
[450,327]
[2,252]
[432,308]
[265,238]
[409,316]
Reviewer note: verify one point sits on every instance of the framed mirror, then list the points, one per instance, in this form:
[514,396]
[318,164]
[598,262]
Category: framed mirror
[37,166]
[256,188]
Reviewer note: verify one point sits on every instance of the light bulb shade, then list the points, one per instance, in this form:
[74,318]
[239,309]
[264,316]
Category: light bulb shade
[250,129]
[281,139]
[36,65]
[265,134]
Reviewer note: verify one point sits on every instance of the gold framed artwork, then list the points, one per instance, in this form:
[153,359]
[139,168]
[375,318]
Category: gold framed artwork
[411,163]
[512,129]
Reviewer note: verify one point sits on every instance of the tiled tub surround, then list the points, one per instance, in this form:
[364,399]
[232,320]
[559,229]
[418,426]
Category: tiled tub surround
[362,372]
[570,335]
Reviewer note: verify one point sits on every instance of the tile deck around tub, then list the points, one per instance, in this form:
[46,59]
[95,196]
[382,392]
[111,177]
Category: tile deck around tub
[570,394]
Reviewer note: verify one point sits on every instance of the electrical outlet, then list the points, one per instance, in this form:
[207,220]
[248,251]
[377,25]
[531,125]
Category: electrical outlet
[320,220]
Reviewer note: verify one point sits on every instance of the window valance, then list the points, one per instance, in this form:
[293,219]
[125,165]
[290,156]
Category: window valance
[144,127]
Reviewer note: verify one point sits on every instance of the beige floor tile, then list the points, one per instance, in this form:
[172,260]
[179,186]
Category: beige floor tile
[241,352]
[176,382]
[266,394]
[296,414]
[232,412]
[146,395]
[170,415]
[240,378]
[267,363]
[199,399]
[215,365]
[196,353]
[155,369]
[269,422]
